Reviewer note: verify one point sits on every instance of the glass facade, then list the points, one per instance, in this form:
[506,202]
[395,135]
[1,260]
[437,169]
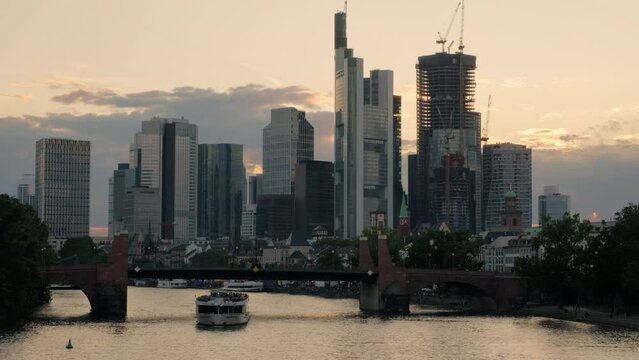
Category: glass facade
[287,141]
[221,190]
[63,168]
[506,167]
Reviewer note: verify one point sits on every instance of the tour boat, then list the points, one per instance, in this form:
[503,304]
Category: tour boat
[172,283]
[222,308]
[243,285]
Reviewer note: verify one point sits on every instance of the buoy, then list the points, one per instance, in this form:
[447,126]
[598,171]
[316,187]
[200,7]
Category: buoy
[69,345]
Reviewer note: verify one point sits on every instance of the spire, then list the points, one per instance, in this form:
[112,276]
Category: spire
[403,211]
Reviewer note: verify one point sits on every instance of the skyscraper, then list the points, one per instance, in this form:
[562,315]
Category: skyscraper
[553,204]
[448,142]
[123,178]
[62,183]
[314,199]
[287,141]
[221,190]
[164,156]
[141,214]
[398,189]
[412,188]
[26,189]
[254,188]
[506,167]
[364,155]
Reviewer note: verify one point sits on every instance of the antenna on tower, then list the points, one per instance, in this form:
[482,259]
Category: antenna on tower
[345,6]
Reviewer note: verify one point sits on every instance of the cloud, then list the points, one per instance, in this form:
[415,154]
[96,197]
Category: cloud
[513,82]
[237,115]
[16,96]
[547,138]
[550,115]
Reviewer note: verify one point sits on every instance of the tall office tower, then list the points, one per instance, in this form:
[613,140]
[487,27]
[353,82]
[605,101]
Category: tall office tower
[412,188]
[123,178]
[287,141]
[314,199]
[25,190]
[448,142]
[553,204]
[364,167]
[249,224]
[164,156]
[141,212]
[255,188]
[274,216]
[398,189]
[221,191]
[62,185]
[506,167]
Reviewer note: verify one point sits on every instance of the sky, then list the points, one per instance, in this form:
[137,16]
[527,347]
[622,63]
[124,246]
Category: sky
[563,77]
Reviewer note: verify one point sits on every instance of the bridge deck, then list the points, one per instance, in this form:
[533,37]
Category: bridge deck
[248,274]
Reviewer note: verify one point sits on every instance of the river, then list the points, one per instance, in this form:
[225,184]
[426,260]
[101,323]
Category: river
[161,325]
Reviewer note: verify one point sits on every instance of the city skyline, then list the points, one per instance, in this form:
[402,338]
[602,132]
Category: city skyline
[589,120]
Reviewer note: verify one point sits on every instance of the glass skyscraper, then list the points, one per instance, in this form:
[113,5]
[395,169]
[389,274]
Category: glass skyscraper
[164,156]
[364,133]
[221,190]
[62,180]
[287,141]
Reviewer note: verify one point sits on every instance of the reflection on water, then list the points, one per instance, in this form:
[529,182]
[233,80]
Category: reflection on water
[161,325]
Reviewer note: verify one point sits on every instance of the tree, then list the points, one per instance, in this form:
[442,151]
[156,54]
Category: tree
[211,258]
[23,247]
[613,253]
[562,243]
[80,250]
[439,249]
[330,259]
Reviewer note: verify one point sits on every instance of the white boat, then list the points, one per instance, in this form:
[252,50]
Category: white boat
[222,308]
[243,285]
[172,283]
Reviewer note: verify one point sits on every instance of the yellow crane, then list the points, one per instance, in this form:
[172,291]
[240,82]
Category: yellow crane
[484,131]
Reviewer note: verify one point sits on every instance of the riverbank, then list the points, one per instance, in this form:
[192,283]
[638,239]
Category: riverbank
[588,315]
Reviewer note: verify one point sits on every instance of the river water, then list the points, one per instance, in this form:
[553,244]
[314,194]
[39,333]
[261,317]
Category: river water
[161,325]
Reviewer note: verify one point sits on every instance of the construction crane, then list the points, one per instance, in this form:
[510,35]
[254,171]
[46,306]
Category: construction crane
[484,131]
[461,33]
[442,39]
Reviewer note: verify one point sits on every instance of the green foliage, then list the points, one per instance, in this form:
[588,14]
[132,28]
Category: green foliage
[631,280]
[212,258]
[81,250]
[439,249]
[23,247]
[329,260]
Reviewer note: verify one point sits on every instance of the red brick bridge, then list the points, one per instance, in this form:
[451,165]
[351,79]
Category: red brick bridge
[394,286]
[104,284]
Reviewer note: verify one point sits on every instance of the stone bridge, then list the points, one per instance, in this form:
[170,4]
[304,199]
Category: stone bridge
[394,286]
[104,284]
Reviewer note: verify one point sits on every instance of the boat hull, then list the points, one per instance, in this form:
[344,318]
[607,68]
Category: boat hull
[222,320]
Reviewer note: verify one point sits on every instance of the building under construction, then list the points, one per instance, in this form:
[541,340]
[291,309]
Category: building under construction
[448,142]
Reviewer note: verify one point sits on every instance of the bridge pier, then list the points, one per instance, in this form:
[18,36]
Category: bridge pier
[390,293]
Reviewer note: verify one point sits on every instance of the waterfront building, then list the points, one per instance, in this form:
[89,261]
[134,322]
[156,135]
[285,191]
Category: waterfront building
[287,141]
[501,253]
[553,204]
[254,188]
[274,216]
[221,190]
[164,155]
[123,178]
[364,133]
[314,200]
[448,142]
[506,167]
[62,185]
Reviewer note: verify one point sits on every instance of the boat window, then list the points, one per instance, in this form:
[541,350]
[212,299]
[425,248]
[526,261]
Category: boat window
[204,309]
[237,309]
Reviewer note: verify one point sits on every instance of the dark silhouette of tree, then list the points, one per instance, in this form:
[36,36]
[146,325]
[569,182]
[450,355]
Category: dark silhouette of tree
[211,258]
[23,247]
